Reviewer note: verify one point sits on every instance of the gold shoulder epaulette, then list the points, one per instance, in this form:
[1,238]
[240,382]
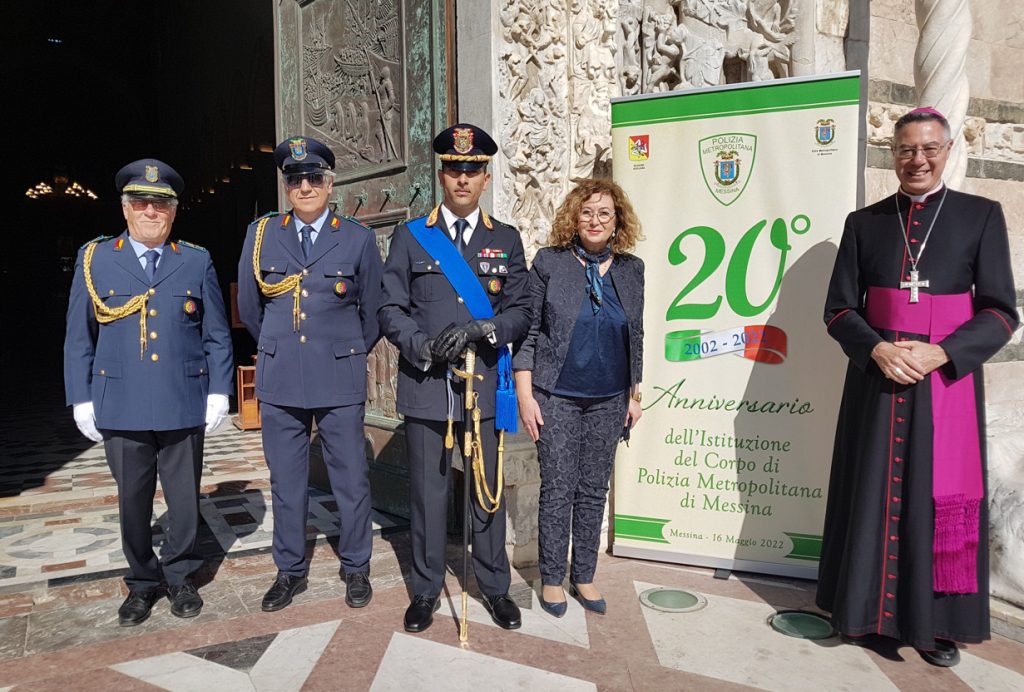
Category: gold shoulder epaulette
[486,220]
[432,217]
[193,246]
[97,239]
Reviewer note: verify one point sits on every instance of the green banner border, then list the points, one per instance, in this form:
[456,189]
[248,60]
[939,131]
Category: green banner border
[806,546]
[768,97]
[640,528]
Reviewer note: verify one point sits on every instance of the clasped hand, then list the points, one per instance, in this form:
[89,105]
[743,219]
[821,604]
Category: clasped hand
[908,362]
[451,342]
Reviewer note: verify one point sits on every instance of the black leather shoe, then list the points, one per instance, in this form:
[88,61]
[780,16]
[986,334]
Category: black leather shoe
[136,607]
[504,611]
[280,594]
[358,591]
[185,600]
[946,655]
[420,613]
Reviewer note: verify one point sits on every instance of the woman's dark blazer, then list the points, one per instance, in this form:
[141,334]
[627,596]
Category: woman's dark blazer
[557,281]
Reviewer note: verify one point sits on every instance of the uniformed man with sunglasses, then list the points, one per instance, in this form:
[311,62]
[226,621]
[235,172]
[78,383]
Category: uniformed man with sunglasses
[147,368]
[308,292]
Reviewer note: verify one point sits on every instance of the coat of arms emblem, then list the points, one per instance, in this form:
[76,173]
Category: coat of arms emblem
[152,174]
[825,132]
[298,148]
[463,137]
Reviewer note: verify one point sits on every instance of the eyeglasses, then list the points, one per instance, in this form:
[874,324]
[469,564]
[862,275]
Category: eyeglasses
[930,151]
[160,206]
[604,215]
[295,180]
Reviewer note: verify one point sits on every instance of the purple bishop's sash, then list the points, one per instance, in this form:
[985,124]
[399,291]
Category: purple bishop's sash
[957,485]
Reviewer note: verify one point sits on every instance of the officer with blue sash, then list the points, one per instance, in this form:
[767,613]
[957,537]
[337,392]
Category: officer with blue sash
[308,292]
[432,315]
[147,368]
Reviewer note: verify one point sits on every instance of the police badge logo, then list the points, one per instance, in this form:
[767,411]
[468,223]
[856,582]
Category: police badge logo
[189,307]
[727,164]
[825,132]
[463,140]
[298,148]
[340,288]
[152,174]
[494,286]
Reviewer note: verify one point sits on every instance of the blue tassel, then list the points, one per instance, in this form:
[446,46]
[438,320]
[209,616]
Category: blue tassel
[506,405]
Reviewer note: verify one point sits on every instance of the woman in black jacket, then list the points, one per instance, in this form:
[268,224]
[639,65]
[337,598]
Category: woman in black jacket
[578,376]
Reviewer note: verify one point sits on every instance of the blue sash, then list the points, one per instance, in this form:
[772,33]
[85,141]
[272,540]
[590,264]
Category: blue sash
[467,286]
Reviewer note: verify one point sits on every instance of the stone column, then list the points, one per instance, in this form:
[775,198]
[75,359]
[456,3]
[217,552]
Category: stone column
[940,74]
[802,61]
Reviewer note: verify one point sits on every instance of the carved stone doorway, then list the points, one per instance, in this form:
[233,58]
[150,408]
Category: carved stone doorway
[369,79]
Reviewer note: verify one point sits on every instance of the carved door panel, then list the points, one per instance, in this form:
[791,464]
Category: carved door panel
[367,78]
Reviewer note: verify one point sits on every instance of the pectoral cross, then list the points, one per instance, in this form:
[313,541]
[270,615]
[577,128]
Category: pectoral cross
[914,285]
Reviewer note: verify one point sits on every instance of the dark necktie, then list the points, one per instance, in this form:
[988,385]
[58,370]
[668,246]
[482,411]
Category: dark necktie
[307,241]
[460,228]
[151,257]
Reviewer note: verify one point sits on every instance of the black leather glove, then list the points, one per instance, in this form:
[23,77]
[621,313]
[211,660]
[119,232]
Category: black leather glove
[452,340]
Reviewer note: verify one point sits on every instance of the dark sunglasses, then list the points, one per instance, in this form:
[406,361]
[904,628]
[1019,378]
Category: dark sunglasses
[295,180]
[161,206]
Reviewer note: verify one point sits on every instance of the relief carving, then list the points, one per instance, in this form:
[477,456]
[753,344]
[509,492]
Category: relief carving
[353,83]
[382,364]
[562,61]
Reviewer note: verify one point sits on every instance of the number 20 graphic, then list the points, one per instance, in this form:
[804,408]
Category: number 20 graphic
[736,271]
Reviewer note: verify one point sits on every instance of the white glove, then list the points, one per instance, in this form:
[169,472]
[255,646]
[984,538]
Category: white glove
[216,411]
[85,419]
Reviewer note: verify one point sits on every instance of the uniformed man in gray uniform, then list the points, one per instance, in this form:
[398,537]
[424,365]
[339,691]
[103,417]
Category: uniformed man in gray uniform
[147,368]
[308,292]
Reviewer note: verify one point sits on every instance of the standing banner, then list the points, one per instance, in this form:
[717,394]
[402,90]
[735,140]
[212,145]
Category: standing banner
[742,192]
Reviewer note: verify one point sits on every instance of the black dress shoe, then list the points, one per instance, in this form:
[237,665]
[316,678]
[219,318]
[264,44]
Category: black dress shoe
[358,591]
[945,655]
[136,607]
[420,613]
[504,611]
[280,594]
[185,600]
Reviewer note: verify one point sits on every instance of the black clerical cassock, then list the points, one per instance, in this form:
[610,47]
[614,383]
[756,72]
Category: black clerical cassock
[903,556]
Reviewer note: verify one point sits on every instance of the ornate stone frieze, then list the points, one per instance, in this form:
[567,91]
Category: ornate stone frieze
[562,61]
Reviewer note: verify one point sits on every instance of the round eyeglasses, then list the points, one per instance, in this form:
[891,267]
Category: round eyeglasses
[604,215]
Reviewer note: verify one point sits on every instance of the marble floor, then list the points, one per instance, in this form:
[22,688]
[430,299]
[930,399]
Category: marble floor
[60,586]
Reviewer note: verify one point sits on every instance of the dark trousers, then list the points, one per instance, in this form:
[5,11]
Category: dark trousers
[576,452]
[135,459]
[429,467]
[286,435]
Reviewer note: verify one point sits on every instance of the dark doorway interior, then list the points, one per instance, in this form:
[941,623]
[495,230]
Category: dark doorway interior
[91,86]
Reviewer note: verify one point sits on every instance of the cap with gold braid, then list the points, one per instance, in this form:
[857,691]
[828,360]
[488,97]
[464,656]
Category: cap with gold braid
[149,178]
[464,147]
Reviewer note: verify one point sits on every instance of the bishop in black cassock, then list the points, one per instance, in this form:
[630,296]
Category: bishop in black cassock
[921,296]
